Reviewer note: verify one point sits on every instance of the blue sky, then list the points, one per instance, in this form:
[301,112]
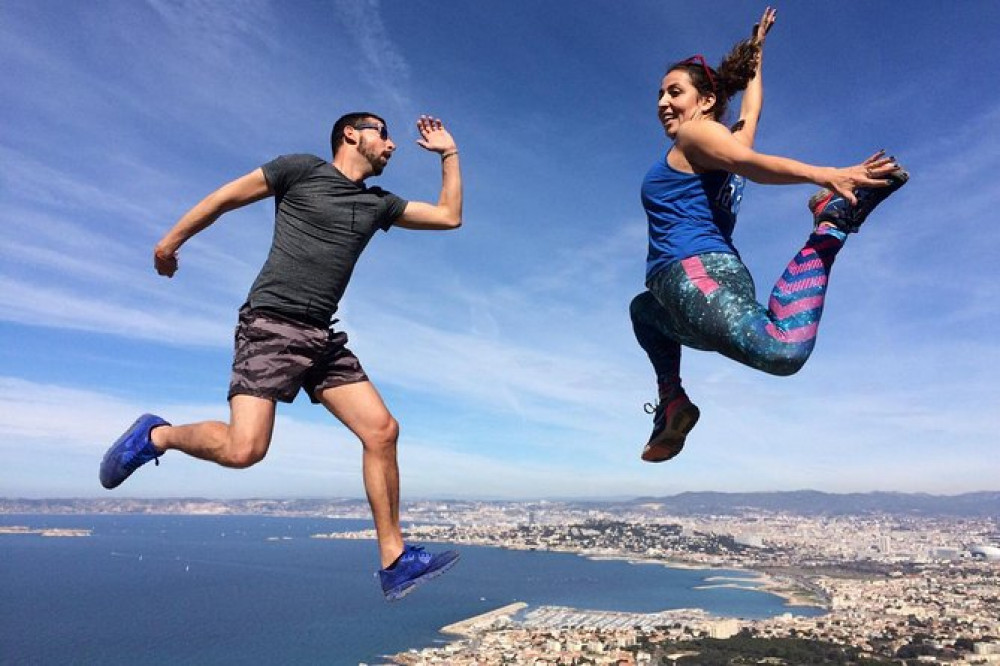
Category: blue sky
[504,348]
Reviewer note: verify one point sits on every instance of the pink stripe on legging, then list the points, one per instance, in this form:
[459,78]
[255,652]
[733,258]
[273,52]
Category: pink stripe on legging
[800,285]
[695,271]
[785,311]
[803,334]
[813,263]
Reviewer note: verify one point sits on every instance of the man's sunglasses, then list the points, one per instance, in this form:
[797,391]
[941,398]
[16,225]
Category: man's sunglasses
[383,131]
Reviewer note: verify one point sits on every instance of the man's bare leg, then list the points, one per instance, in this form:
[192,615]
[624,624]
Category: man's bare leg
[240,443]
[360,408]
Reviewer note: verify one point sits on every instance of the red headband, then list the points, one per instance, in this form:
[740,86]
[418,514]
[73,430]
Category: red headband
[699,59]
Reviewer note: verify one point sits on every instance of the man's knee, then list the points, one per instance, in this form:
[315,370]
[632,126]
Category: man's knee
[382,436]
[244,451]
[249,433]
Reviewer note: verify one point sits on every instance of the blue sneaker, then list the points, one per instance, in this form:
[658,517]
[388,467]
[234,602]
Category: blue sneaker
[827,206]
[414,567]
[130,452]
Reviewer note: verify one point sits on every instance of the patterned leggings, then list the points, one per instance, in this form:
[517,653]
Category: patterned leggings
[707,302]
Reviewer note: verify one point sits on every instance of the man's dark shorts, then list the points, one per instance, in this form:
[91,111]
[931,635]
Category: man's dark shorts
[275,357]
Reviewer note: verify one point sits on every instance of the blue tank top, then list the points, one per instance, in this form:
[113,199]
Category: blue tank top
[689,213]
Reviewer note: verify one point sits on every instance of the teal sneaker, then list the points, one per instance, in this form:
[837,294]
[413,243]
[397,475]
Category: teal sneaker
[130,452]
[414,567]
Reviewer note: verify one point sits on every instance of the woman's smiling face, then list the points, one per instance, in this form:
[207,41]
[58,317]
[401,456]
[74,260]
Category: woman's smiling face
[679,101]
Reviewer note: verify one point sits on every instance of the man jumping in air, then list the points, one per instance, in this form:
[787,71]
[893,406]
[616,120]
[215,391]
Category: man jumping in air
[324,217]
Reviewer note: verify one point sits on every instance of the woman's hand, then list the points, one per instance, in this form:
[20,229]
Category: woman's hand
[872,172]
[760,29]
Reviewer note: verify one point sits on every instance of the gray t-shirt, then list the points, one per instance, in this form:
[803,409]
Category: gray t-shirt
[322,223]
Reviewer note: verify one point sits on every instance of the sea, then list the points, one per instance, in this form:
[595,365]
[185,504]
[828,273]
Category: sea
[206,590]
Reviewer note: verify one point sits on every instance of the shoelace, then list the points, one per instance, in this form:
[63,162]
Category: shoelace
[416,553]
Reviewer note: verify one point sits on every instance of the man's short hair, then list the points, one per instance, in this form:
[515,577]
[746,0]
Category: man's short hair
[349,120]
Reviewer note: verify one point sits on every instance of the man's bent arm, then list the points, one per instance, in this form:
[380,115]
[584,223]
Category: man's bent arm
[447,213]
[235,194]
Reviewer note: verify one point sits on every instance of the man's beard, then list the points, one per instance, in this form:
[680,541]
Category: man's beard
[374,158]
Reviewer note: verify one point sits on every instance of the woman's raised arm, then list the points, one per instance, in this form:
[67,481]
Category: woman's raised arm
[745,128]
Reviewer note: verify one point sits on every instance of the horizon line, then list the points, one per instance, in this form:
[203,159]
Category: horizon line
[580,498]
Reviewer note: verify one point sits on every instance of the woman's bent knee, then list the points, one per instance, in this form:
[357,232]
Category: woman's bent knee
[781,365]
[784,369]
[640,305]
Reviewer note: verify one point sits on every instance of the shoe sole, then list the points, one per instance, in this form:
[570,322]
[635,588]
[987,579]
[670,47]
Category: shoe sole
[671,440]
[414,584]
[897,179]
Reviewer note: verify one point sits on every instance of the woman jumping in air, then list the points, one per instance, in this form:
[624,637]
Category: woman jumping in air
[699,292]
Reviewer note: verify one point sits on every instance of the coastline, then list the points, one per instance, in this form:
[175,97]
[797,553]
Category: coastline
[61,532]
[861,595]
[471,632]
[796,593]
[793,590]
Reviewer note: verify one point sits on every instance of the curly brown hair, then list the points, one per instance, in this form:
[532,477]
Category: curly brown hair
[735,71]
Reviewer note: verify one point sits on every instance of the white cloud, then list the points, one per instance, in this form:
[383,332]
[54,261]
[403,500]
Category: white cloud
[41,184]
[384,64]
[26,303]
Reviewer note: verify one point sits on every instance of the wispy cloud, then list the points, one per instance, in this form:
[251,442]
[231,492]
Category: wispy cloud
[385,66]
[34,181]
[25,303]
[314,456]
[218,30]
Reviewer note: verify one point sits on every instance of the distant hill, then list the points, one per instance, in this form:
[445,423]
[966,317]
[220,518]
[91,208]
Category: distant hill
[802,502]
[813,503]
[187,506]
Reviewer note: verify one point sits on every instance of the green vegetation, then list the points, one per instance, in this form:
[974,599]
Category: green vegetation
[744,649]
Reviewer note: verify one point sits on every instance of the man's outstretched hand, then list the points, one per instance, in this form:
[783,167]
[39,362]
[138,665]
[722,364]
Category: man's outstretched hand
[433,136]
[164,263]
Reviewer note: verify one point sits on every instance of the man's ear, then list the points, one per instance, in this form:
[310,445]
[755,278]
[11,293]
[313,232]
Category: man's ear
[351,135]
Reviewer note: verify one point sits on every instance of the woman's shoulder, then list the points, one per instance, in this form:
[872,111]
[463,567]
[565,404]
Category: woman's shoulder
[698,141]
[700,129]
